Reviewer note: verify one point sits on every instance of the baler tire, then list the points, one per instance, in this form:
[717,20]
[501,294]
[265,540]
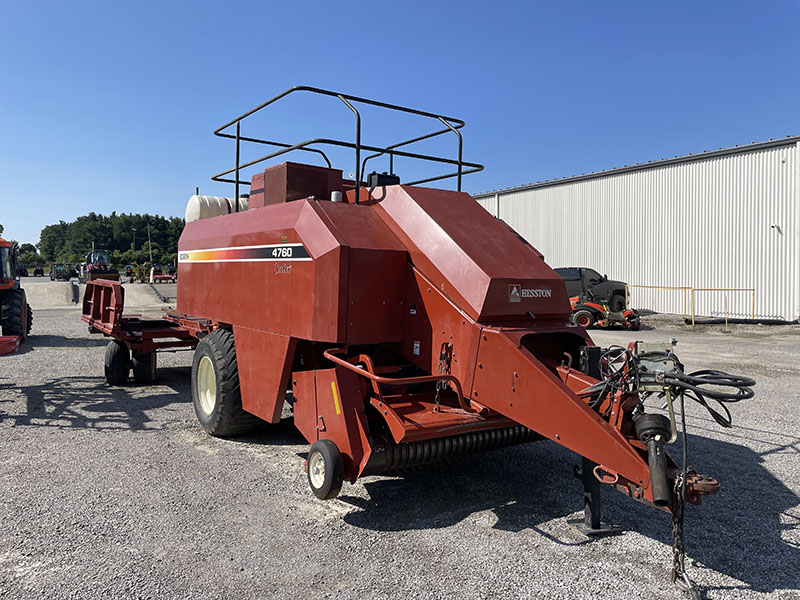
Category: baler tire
[15,314]
[219,408]
[325,469]
[144,366]
[583,318]
[617,303]
[117,362]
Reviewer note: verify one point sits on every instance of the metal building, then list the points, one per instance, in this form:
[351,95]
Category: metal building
[728,218]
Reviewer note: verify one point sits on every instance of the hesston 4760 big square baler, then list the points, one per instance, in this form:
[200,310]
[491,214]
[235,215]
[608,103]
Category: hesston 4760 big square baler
[404,324]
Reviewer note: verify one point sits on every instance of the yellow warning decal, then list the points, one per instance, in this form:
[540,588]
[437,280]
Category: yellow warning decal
[336,398]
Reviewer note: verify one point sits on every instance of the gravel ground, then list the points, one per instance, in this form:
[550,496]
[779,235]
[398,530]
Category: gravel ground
[118,493]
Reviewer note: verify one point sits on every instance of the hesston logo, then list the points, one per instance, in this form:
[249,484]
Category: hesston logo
[516,292]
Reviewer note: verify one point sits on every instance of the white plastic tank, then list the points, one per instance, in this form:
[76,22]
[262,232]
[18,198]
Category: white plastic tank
[204,207]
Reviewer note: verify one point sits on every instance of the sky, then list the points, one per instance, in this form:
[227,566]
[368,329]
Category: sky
[110,106]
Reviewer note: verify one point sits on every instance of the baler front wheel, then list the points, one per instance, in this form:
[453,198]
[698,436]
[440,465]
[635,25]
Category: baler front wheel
[215,387]
[325,469]
[117,363]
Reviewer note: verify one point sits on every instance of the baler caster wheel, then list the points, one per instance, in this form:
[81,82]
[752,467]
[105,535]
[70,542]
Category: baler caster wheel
[583,318]
[117,363]
[325,469]
[215,387]
[144,367]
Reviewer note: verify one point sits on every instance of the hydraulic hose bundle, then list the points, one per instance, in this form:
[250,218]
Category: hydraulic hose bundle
[647,369]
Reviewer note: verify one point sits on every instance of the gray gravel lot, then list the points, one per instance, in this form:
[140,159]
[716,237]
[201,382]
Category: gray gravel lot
[118,493]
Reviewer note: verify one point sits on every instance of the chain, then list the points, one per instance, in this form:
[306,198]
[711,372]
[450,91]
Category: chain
[679,576]
[678,549]
[443,369]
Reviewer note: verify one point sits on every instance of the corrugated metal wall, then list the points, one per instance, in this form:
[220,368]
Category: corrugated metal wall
[730,221]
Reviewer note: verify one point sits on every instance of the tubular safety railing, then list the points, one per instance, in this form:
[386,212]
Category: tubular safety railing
[685,291]
[752,292]
[689,298]
[451,125]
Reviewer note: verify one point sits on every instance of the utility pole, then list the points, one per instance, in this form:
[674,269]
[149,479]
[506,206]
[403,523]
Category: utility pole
[149,245]
[134,239]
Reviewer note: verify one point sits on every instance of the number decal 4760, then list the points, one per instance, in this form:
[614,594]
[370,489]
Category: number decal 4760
[282,252]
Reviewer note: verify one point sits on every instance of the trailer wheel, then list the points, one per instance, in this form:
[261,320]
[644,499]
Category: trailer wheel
[617,303]
[118,362]
[144,367]
[583,318]
[325,469]
[215,387]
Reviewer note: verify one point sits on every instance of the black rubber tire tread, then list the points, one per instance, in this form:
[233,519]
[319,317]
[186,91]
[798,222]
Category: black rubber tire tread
[617,303]
[15,314]
[583,312]
[30,318]
[228,417]
[144,366]
[334,469]
[117,362]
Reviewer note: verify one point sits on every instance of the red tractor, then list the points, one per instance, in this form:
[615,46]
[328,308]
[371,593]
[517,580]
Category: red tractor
[403,324]
[16,316]
[97,266]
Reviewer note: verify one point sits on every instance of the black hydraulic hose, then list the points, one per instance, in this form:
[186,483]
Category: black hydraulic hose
[694,385]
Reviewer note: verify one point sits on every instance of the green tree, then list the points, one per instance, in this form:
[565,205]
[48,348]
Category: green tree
[70,242]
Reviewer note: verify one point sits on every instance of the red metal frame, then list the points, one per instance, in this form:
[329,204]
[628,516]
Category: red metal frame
[9,344]
[103,303]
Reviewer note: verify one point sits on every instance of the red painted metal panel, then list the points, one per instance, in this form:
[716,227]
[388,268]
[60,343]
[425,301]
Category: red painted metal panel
[103,302]
[305,404]
[264,361]
[9,344]
[515,384]
[340,408]
[471,256]
[432,319]
[412,418]
[376,286]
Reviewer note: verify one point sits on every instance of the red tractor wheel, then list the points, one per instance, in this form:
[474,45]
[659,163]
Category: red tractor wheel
[583,318]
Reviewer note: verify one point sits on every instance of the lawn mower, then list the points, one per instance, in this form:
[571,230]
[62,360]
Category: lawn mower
[589,313]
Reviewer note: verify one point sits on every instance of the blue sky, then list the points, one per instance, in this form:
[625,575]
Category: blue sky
[110,106]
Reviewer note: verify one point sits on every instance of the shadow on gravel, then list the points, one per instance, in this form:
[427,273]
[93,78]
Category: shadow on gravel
[89,403]
[60,341]
[522,486]
[33,342]
[282,433]
[738,532]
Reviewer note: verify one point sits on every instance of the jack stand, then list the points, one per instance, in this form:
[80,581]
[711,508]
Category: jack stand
[591,525]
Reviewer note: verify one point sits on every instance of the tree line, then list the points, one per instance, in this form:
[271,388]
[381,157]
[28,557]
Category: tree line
[123,235]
